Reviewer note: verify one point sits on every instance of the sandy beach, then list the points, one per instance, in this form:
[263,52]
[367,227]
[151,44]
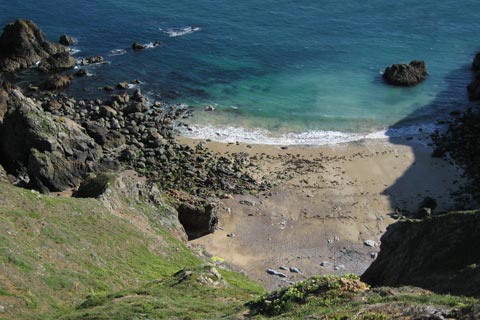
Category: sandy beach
[327,201]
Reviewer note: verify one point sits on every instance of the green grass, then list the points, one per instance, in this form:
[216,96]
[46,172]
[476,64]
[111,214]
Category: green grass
[333,297]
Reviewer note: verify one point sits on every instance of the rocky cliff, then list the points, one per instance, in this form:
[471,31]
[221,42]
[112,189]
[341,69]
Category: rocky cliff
[23,44]
[441,254]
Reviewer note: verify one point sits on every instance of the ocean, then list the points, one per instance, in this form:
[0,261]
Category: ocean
[276,71]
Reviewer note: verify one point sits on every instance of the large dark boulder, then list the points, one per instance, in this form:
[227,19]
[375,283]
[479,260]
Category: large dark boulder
[476,62]
[406,75]
[94,185]
[53,151]
[65,40]
[23,44]
[198,220]
[473,88]
[440,254]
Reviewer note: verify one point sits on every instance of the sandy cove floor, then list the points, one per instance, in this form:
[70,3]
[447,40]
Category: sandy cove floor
[327,202]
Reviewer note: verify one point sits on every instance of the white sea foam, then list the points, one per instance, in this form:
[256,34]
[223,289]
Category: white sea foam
[314,138]
[178,32]
[73,50]
[117,52]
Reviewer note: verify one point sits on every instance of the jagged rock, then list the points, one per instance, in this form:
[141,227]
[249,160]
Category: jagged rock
[55,152]
[406,74]
[138,46]
[23,44]
[122,86]
[94,185]
[440,254]
[81,73]
[58,81]
[198,220]
[103,136]
[92,60]
[476,62]
[3,174]
[65,40]
[3,99]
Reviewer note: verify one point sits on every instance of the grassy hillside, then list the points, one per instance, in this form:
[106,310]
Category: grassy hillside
[55,251]
[116,258]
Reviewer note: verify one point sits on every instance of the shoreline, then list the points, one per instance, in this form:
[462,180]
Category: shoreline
[325,202]
[310,138]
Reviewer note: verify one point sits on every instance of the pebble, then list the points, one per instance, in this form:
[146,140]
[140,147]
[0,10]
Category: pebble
[370,243]
[340,267]
[373,255]
[283,268]
[248,202]
[324,263]
[231,235]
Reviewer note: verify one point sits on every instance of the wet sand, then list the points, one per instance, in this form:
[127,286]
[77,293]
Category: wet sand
[327,202]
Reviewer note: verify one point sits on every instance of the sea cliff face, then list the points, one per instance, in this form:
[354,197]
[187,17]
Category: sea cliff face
[440,254]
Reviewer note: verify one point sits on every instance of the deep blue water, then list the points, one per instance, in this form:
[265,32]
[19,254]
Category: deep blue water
[282,66]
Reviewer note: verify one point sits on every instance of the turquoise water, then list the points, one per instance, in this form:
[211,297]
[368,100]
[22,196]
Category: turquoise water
[275,69]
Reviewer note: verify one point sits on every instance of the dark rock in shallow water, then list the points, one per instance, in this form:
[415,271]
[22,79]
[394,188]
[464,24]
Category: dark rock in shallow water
[138,46]
[65,40]
[23,44]
[53,151]
[473,89]
[58,81]
[440,254]
[198,220]
[92,60]
[81,73]
[406,74]
[476,62]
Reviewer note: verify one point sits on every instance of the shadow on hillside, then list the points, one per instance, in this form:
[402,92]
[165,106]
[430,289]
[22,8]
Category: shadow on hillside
[428,176]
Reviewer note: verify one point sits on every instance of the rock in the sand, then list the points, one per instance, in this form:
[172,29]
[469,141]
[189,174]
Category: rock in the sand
[370,243]
[283,268]
[57,81]
[476,62]
[339,267]
[198,220]
[294,270]
[272,272]
[248,203]
[137,46]
[65,40]
[406,74]
[23,45]
[324,263]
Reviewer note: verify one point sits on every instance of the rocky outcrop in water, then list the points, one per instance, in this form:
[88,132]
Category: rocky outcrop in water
[476,62]
[440,254]
[23,45]
[65,40]
[406,75]
[53,152]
